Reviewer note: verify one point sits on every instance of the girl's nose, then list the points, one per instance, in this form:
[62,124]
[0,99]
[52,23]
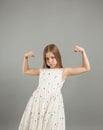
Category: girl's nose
[50,60]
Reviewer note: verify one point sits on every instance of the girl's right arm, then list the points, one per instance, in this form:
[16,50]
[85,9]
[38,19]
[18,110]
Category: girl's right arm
[26,69]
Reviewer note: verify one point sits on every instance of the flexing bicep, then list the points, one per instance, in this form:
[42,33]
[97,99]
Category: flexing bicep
[34,71]
[73,71]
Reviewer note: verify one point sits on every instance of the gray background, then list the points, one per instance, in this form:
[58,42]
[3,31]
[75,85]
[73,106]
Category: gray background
[27,25]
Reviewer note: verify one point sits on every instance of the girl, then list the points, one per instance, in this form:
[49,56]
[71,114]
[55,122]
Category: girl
[45,108]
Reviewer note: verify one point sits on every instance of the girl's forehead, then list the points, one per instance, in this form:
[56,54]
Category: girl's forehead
[48,54]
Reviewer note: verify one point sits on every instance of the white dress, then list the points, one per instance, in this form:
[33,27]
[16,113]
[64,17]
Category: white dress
[45,108]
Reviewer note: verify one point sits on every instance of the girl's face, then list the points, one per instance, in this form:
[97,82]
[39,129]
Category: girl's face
[51,60]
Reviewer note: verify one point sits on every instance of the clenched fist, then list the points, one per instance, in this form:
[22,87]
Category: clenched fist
[29,54]
[78,49]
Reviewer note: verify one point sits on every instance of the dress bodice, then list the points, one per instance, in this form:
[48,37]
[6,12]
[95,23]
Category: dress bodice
[52,78]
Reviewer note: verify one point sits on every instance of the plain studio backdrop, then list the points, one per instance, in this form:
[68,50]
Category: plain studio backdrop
[29,25]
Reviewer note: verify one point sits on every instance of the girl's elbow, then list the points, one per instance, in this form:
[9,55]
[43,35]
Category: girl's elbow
[24,71]
[88,68]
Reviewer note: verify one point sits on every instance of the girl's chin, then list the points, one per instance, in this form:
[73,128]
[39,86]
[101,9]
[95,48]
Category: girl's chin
[53,67]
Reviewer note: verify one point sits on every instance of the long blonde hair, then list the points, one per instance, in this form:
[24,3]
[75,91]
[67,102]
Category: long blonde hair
[52,48]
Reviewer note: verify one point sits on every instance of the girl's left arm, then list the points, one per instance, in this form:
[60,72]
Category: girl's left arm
[85,64]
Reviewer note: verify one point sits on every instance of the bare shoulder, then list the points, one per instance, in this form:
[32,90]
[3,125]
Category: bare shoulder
[66,72]
[37,71]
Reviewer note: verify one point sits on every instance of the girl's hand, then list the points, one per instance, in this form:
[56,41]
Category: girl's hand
[29,54]
[78,49]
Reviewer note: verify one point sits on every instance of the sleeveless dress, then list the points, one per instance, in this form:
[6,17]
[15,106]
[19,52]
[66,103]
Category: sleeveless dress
[45,108]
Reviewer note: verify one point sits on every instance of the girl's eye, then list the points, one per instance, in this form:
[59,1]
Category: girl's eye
[52,57]
[47,58]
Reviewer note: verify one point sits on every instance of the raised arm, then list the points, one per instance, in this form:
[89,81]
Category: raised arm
[85,64]
[26,69]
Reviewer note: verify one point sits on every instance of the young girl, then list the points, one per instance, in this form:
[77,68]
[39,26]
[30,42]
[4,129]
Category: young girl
[45,108]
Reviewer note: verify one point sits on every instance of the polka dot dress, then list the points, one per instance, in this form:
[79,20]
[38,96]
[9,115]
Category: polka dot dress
[45,108]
